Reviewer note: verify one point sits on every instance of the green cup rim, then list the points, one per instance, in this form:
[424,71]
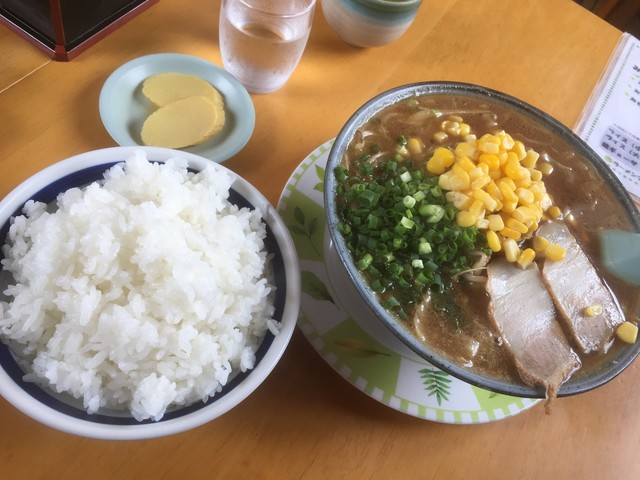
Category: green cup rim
[391,5]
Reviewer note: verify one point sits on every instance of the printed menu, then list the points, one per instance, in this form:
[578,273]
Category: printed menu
[610,122]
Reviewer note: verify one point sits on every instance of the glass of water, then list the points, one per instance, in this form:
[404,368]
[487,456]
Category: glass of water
[261,41]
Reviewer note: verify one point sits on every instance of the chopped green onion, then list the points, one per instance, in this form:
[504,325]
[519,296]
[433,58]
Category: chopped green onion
[399,226]
[434,213]
[364,262]
[409,201]
[391,302]
[424,247]
[366,169]
[344,229]
[399,243]
[407,223]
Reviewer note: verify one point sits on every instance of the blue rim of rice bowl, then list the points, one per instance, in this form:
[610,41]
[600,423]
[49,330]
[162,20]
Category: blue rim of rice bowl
[114,418]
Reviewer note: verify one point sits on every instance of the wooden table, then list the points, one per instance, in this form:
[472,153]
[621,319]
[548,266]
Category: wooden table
[305,421]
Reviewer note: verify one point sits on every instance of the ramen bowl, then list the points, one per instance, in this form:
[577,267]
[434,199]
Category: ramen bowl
[587,193]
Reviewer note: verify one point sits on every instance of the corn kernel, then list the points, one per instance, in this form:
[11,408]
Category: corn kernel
[459,200]
[476,208]
[545,202]
[475,173]
[488,201]
[516,225]
[540,244]
[464,149]
[441,159]
[481,182]
[493,190]
[526,257]
[495,175]
[415,145]
[512,168]
[525,196]
[457,168]
[508,193]
[519,150]
[489,148]
[464,218]
[536,175]
[488,138]
[555,252]
[491,160]
[524,214]
[444,180]
[465,129]
[534,208]
[525,177]
[435,166]
[510,233]
[459,180]
[440,137]
[455,118]
[554,212]
[546,168]
[627,332]
[493,241]
[510,183]
[489,144]
[496,223]
[466,163]
[453,129]
[509,206]
[538,190]
[506,140]
[593,310]
[446,124]
[445,154]
[511,250]
[482,223]
[530,159]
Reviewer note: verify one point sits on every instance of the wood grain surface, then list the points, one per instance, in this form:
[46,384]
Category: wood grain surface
[305,421]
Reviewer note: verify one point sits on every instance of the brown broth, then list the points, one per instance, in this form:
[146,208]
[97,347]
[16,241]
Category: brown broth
[574,186]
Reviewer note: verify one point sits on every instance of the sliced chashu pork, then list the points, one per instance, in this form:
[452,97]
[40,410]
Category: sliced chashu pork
[574,285]
[523,312]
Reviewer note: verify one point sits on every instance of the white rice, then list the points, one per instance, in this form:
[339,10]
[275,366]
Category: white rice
[141,292]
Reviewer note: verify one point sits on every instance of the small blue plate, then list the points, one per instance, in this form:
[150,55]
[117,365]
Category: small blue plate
[123,107]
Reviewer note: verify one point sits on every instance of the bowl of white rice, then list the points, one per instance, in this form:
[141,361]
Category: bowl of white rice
[143,292]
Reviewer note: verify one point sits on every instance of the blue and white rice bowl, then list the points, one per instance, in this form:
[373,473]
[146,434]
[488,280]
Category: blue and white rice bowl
[370,23]
[61,411]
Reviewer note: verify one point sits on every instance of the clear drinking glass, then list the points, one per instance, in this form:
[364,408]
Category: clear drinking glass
[261,41]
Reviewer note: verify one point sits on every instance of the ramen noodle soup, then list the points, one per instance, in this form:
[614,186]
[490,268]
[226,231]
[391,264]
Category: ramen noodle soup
[478,230]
